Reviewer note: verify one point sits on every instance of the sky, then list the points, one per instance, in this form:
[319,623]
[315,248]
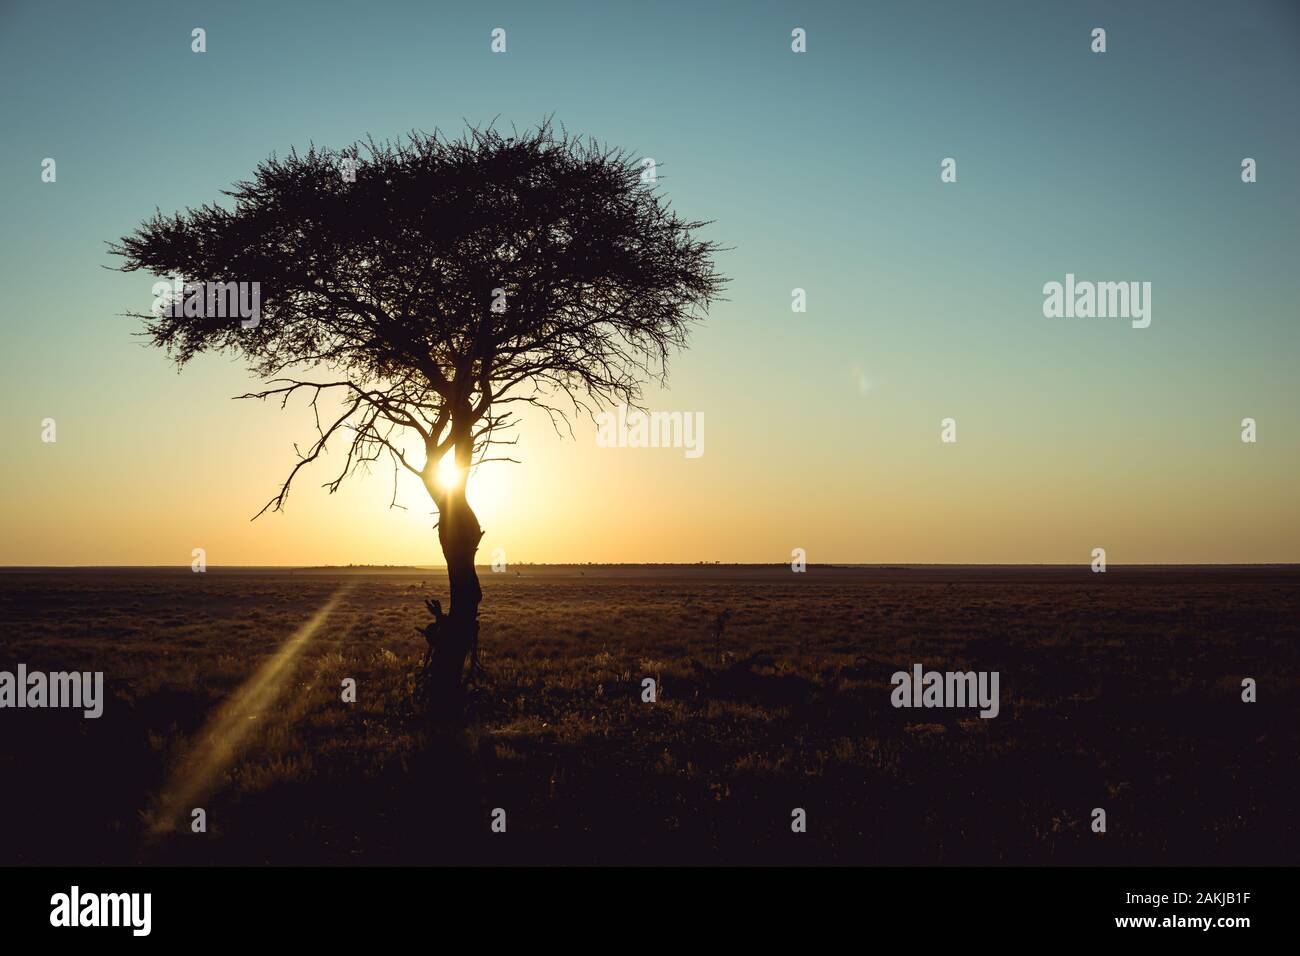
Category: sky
[818,170]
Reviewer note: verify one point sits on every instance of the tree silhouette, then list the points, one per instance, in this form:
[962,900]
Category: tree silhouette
[431,286]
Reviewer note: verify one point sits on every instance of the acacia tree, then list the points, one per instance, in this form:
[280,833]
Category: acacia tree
[432,286]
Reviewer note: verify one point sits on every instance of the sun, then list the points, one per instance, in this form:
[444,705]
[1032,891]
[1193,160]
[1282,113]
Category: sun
[449,475]
[488,487]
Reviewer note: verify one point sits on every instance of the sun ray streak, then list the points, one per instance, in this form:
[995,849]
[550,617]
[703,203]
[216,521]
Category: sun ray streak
[217,745]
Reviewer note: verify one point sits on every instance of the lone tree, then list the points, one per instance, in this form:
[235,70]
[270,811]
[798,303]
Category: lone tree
[429,285]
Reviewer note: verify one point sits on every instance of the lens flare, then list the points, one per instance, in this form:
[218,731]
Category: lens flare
[217,745]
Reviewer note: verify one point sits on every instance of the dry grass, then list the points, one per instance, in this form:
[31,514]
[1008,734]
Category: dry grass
[1120,692]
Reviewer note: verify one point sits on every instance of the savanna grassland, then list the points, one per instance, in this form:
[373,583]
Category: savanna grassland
[1120,691]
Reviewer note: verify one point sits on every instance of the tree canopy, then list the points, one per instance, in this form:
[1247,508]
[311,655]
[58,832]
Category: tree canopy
[432,283]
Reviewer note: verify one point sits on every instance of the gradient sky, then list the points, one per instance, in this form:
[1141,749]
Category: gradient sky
[820,171]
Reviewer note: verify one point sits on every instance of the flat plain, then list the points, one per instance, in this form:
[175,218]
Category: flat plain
[1120,690]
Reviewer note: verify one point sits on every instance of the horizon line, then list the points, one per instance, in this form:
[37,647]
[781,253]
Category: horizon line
[641,564]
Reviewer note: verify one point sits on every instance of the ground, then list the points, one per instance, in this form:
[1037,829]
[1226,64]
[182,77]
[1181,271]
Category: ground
[1119,690]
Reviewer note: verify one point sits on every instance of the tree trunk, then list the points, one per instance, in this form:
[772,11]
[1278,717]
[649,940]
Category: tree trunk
[459,534]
